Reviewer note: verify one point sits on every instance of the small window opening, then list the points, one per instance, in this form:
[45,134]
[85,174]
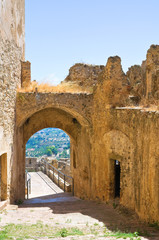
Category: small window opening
[117,178]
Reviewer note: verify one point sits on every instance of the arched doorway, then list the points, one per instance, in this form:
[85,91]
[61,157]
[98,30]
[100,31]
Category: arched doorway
[79,134]
[47,163]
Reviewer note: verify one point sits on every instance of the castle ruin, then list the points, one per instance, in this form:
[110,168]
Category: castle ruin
[113,128]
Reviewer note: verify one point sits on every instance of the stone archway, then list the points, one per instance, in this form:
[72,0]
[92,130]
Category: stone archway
[79,133]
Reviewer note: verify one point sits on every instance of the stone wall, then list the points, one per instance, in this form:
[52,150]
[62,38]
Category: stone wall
[25,74]
[152,72]
[84,75]
[140,82]
[77,104]
[11,54]
[137,78]
[12,22]
[131,137]
[31,164]
[103,128]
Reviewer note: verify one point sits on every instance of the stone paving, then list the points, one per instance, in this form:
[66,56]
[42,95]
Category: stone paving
[41,185]
[62,210]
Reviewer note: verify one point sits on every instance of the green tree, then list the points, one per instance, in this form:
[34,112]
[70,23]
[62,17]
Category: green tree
[54,150]
[64,154]
[48,152]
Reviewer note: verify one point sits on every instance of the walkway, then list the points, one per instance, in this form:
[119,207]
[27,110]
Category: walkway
[44,190]
[58,215]
[41,185]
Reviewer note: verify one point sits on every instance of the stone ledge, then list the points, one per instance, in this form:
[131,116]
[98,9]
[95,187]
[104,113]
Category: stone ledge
[3,204]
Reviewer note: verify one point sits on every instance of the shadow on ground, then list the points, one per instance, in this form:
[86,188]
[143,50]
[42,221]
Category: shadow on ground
[114,219]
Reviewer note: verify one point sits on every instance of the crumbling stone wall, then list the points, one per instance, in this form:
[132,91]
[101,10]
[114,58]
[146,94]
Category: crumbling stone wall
[103,128]
[84,75]
[144,79]
[138,86]
[101,125]
[152,72]
[25,74]
[137,80]
[129,135]
[11,54]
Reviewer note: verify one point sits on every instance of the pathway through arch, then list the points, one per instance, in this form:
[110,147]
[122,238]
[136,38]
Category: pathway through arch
[44,190]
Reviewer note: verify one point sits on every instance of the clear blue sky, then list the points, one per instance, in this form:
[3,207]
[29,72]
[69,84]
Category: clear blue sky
[60,33]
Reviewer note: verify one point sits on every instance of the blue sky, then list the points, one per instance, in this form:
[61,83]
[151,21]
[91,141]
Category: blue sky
[60,33]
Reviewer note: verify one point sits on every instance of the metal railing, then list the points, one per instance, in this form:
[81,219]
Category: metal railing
[27,183]
[62,180]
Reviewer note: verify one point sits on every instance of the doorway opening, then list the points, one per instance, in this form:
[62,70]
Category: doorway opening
[117,171]
[48,162]
[3,177]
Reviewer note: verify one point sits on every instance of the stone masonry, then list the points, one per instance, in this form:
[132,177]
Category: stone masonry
[11,53]
[114,124]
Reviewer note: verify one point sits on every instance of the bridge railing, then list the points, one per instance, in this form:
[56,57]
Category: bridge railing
[63,181]
[27,183]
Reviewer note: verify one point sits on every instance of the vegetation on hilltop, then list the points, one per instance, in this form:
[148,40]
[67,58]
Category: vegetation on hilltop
[49,141]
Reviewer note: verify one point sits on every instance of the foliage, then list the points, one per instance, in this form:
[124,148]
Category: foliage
[54,150]
[64,154]
[48,152]
[49,138]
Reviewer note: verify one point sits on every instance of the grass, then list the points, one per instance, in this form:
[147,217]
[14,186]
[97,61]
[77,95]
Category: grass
[68,221]
[115,205]
[23,231]
[35,231]
[61,88]
[71,232]
[119,234]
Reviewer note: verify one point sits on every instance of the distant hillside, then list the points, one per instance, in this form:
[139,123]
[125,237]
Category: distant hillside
[49,141]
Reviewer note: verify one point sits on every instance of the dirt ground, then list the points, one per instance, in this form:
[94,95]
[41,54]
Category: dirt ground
[63,211]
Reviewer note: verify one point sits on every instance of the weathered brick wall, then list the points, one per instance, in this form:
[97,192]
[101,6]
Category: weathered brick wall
[11,54]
